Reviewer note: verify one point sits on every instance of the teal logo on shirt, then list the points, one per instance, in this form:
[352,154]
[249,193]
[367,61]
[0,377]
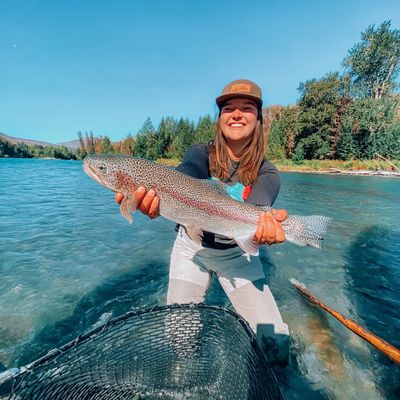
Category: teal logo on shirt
[234,191]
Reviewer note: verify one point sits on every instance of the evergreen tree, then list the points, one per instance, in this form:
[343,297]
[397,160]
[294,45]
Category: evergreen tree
[145,135]
[151,146]
[165,134]
[298,156]
[205,130]
[6,148]
[22,150]
[106,146]
[183,139]
[346,149]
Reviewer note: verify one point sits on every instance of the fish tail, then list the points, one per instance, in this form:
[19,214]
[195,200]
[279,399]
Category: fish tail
[306,231]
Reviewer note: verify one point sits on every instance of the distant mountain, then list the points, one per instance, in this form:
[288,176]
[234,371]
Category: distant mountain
[72,144]
[29,142]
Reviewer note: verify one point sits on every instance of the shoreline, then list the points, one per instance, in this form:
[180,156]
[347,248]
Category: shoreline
[359,170]
[333,171]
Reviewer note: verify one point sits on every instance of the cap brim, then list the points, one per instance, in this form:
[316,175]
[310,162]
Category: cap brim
[225,97]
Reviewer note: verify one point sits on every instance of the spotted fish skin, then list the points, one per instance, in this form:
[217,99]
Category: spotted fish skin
[195,203]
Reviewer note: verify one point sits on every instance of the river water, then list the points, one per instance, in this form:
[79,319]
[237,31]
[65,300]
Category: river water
[69,261]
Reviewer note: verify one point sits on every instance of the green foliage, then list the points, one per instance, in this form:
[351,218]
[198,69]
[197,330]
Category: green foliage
[140,145]
[22,150]
[145,140]
[346,148]
[322,105]
[276,141]
[317,92]
[283,133]
[128,145]
[165,134]
[391,140]
[350,116]
[6,148]
[106,146]
[205,130]
[374,63]
[373,126]
[332,121]
[184,137]
[298,156]
[314,147]
[80,154]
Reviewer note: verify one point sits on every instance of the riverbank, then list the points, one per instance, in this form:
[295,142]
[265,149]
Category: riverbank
[352,167]
[355,167]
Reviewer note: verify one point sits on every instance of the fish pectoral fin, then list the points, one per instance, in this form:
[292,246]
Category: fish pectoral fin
[195,233]
[248,245]
[128,206]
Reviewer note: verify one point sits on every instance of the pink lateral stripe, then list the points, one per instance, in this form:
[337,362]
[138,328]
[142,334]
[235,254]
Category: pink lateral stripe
[208,208]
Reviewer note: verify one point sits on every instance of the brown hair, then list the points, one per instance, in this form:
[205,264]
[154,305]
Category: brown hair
[250,162]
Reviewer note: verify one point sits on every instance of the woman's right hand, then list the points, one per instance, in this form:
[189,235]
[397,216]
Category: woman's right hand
[148,203]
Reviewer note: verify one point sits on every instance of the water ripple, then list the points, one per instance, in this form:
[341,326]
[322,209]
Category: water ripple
[69,261]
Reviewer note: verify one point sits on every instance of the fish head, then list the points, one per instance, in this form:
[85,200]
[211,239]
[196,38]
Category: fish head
[109,171]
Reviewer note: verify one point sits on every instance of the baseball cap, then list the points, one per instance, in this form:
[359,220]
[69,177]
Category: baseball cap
[240,88]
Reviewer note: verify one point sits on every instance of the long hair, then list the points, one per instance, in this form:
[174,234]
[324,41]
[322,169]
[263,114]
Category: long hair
[249,163]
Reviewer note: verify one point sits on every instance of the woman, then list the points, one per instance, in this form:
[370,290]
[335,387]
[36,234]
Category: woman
[236,157]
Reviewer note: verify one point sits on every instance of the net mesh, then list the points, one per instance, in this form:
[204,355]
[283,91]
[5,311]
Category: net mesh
[170,352]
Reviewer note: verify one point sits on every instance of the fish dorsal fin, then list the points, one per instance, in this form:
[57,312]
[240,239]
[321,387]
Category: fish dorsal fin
[217,185]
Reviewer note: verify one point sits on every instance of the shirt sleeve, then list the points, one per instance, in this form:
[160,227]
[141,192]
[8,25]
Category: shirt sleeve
[266,188]
[195,162]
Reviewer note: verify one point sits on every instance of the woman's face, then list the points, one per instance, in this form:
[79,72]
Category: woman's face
[238,120]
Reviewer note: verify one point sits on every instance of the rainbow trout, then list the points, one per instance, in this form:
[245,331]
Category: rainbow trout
[195,203]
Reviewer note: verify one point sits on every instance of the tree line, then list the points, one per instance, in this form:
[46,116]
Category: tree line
[22,150]
[349,114]
[169,141]
[352,114]
[345,115]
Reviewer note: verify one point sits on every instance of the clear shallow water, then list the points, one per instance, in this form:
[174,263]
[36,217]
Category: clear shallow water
[68,261]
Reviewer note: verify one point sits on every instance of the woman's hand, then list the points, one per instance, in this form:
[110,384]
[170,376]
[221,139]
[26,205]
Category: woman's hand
[148,203]
[269,228]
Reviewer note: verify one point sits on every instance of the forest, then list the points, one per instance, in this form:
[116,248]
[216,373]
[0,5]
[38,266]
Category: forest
[351,114]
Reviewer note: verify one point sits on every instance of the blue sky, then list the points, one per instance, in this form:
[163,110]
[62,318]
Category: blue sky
[105,66]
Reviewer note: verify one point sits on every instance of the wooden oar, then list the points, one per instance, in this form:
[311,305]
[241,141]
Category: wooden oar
[392,352]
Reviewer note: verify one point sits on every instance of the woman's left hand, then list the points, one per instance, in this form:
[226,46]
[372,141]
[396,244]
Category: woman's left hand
[269,228]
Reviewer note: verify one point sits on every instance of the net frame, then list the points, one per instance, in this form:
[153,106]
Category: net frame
[180,351]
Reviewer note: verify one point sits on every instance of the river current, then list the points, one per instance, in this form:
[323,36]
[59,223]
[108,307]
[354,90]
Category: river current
[69,261]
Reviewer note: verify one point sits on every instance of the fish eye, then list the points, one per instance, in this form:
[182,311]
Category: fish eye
[102,167]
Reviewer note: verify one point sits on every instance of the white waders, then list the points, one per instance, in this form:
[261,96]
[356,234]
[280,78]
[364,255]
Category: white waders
[243,280]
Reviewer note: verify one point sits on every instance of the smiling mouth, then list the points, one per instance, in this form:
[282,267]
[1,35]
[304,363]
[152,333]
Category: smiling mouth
[236,125]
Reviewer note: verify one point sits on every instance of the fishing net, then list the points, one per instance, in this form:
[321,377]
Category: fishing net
[171,352]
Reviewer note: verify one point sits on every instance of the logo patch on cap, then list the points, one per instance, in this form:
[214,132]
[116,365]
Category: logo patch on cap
[240,87]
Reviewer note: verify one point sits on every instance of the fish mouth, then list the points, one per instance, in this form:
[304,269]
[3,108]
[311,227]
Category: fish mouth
[92,172]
